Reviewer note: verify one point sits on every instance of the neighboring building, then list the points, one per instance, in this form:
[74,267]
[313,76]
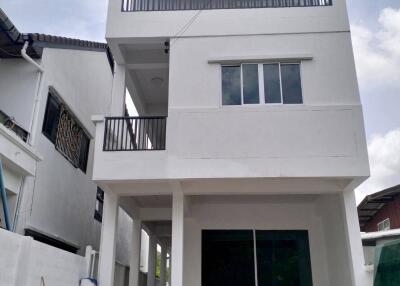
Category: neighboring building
[47,97]
[247,148]
[380,211]
[379,216]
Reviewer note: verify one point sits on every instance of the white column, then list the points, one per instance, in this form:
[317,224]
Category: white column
[178,214]
[151,271]
[135,255]
[163,265]
[118,91]
[355,250]
[107,243]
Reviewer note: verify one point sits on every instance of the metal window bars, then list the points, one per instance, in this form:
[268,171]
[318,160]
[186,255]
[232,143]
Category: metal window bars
[69,137]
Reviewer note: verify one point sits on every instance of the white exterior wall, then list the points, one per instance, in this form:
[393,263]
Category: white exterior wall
[326,133]
[18,82]
[165,24]
[24,261]
[18,160]
[60,201]
[329,260]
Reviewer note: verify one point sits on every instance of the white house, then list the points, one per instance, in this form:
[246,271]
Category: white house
[248,144]
[49,88]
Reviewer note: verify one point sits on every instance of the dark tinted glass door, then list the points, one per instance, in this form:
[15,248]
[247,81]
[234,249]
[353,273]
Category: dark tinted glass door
[283,258]
[228,258]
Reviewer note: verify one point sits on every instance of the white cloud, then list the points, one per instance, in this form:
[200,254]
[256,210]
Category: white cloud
[377,53]
[384,158]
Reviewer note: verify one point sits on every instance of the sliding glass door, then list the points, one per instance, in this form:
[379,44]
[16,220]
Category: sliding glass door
[255,258]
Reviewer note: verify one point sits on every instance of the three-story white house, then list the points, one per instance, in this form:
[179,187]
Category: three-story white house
[247,148]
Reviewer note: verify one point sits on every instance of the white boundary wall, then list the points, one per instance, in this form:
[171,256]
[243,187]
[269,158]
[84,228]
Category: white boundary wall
[24,261]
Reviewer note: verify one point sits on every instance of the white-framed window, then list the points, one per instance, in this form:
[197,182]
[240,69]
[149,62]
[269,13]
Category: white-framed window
[384,225]
[261,83]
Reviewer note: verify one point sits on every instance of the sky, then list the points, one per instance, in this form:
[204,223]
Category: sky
[375,26]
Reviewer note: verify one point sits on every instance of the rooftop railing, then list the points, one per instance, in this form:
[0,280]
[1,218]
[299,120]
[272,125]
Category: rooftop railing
[134,133]
[172,5]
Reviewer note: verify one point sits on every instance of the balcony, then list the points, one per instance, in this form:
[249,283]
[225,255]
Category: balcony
[134,133]
[172,5]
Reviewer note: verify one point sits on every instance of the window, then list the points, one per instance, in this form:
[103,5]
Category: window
[51,118]
[231,88]
[65,132]
[98,211]
[278,83]
[237,257]
[11,124]
[384,225]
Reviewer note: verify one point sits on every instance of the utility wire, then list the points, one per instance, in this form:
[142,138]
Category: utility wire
[185,27]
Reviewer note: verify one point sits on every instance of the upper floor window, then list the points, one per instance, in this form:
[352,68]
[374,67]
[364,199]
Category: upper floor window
[65,132]
[384,225]
[98,211]
[270,83]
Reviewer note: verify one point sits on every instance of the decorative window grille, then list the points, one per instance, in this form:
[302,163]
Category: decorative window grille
[69,137]
[65,132]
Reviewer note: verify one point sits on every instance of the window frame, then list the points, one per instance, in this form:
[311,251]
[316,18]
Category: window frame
[98,214]
[261,87]
[52,94]
[274,232]
[383,224]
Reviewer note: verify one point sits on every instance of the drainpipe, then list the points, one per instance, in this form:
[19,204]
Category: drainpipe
[35,112]
[4,198]
[33,121]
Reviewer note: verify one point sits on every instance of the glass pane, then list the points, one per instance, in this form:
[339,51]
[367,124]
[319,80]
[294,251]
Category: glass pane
[231,90]
[51,118]
[228,258]
[291,83]
[250,84]
[272,85]
[283,258]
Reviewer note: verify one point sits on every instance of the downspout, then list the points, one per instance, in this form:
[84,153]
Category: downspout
[4,198]
[33,121]
[35,112]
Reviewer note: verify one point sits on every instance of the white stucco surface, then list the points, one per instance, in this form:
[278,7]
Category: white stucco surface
[17,81]
[329,260]
[60,200]
[251,166]
[24,261]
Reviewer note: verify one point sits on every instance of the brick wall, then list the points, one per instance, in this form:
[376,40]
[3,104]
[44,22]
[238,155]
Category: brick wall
[391,211]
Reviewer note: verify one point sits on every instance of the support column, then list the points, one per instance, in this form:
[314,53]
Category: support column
[118,91]
[354,243]
[178,215]
[163,265]
[134,267]
[107,243]
[151,271]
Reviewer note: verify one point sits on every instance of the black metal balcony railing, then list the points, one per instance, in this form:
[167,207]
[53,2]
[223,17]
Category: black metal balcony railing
[134,133]
[171,5]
